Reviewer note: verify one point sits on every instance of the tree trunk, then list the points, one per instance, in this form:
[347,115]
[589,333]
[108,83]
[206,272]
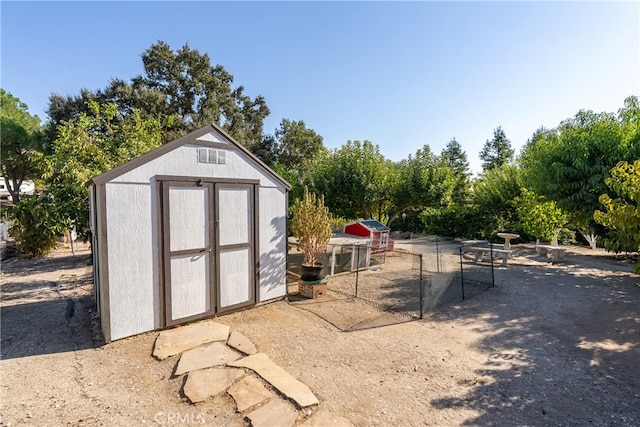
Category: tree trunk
[365,213]
[589,236]
[14,189]
[396,215]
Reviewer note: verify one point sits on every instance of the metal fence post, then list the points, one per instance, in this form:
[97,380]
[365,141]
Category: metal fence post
[493,280]
[437,256]
[421,290]
[461,272]
[357,267]
[333,260]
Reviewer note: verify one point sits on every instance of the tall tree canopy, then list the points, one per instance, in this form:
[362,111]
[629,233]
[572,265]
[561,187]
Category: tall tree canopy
[425,180]
[355,179]
[182,89]
[454,156]
[298,146]
[21,138]
[266,150]
[497,151]
[570,164]
[494,193]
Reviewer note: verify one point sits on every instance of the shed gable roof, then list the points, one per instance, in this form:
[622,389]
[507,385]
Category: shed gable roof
[206,136]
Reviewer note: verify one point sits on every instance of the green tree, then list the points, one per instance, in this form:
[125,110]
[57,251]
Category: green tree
[356,180]
[570,164]
[496,152]
[181,89]
[424,181]
[266,150]
[454,156]
[622,214]
[21,140]
[93,144]
[493,195]
[199,93]
[298,146]
[539,217]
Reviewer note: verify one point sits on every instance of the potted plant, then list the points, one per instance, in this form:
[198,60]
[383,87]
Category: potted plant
[311,226]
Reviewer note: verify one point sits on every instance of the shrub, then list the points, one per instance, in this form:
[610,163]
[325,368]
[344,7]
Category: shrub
[36,225]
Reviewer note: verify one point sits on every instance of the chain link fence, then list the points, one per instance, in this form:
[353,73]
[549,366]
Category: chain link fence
[415,279]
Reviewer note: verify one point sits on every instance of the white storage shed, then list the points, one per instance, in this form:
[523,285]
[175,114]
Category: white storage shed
[192,229]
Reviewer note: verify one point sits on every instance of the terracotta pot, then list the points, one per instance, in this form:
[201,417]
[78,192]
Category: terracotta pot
[312,273]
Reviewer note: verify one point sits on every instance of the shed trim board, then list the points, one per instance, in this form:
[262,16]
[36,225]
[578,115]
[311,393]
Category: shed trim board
[134,295]
[104,308]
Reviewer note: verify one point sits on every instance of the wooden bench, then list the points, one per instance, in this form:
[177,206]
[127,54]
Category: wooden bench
[557,253]
[479,252]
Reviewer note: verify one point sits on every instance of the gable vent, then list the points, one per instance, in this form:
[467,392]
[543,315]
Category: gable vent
[210,155]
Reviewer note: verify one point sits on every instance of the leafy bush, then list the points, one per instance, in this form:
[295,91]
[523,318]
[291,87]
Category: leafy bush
[539,217]
[622,214]
[567,237]
[456,221]
[36,224]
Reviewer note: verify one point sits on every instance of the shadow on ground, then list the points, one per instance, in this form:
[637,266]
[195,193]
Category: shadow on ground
[48,316]
[348,313]
[570,338]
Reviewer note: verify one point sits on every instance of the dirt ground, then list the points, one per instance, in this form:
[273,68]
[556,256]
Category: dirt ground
[548,345]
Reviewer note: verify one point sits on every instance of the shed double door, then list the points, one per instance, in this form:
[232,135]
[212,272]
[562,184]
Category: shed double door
[208,248]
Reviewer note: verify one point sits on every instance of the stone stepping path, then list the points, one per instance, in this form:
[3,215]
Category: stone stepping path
[215,354]
[248,392]
[175,341]
[212,358]
[241,343]
[279,378]
[205,383]
[276,413]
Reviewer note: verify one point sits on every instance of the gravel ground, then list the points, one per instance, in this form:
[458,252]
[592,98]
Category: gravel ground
[548,345]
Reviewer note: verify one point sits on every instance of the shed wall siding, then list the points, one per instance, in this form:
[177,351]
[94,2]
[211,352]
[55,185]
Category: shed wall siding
[132,293]
[273,243]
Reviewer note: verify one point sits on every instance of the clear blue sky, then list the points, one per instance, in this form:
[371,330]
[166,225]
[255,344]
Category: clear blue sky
[399,74]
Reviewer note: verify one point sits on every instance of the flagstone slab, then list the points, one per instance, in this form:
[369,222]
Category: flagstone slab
[276,413]
[175,341]
[214,354]
[241,343]
[326,419]
[205,383]
[283,381]
[248,392]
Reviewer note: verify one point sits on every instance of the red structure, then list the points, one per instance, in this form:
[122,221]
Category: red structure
[377,233]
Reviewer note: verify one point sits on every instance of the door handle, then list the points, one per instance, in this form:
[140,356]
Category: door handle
[205,250]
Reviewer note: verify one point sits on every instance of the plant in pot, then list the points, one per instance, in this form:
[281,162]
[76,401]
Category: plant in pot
[311,226]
